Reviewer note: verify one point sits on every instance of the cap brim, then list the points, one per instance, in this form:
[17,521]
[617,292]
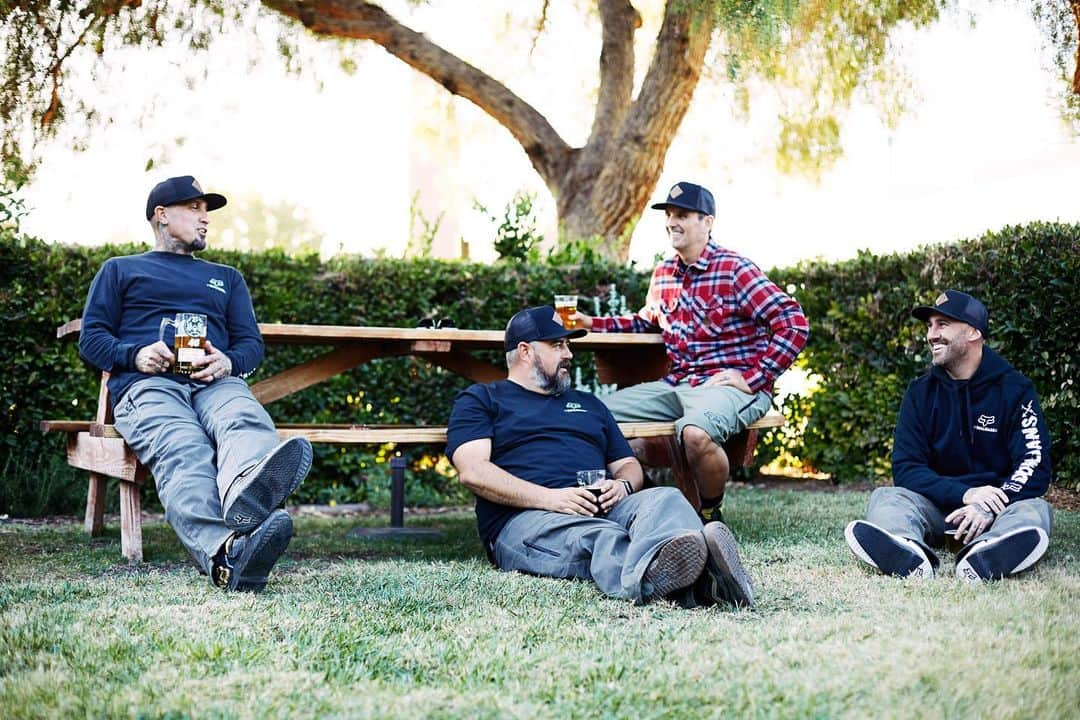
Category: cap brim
[566,333]
[666,205]
[923,312]
[214,201]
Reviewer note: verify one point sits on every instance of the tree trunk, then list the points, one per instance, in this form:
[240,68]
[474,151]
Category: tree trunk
[1074,5]
[599,189]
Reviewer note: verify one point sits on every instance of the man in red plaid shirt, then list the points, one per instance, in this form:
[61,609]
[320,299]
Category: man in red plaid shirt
[729,331]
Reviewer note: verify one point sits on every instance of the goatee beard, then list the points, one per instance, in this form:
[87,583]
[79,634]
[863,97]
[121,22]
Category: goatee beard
[555,384]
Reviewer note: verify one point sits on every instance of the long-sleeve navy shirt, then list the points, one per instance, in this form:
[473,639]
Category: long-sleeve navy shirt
[130,295]
[954,435]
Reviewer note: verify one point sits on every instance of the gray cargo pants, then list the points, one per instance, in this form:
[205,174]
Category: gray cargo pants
[195,438]
[612,551]
[908,514]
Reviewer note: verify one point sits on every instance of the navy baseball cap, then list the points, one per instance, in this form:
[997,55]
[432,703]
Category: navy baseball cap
[689,197]
[180,189]
[536,323]
[958,306]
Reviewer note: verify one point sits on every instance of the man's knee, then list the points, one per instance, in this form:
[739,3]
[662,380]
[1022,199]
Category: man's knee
[697,442]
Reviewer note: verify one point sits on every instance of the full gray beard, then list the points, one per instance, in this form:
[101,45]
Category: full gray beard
[550,384]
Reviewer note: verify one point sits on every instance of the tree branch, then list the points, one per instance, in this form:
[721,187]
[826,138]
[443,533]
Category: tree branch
[619,20]
[655,116]
[549,154]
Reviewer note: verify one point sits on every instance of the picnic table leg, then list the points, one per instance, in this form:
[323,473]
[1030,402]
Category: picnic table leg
[681,474]
[397,492]
[397,527]
[740,448]
[95,505]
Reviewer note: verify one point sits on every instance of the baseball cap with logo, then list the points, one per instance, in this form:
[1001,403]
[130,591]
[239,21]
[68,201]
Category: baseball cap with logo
[536,323]
[689,197]
[958,306]
[180,189]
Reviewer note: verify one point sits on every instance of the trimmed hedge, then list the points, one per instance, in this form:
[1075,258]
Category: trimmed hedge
[45,285]
[863,346]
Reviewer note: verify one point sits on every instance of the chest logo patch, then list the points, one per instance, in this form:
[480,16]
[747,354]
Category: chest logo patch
[573,407]
[215,284]
[985,423]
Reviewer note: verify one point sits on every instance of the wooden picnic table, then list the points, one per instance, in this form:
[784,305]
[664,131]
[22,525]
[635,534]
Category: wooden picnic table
[620,358]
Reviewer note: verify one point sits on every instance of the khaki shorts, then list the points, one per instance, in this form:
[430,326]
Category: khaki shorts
[719,410]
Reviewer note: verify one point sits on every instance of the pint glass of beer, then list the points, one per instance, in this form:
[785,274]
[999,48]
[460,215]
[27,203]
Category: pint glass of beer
[566,306]
[590,480]
[189,342]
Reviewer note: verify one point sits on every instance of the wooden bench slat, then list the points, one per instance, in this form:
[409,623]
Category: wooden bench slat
[360,434]
[65,425]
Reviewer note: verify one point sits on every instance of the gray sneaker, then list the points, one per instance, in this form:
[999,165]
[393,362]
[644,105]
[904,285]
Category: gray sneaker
[678,563]
[725,580]
[244,563]
[259,489]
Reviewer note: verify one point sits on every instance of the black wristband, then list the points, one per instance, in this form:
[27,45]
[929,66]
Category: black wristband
[629,488]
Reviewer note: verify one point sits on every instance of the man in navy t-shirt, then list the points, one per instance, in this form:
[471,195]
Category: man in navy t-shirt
[519,445]
[971,455]
[219,469]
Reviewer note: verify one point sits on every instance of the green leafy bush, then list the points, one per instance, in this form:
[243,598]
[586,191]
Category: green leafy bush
[45,285]
[864,348]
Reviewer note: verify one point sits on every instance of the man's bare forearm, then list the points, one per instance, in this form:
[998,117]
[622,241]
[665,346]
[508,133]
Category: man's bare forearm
[491,482]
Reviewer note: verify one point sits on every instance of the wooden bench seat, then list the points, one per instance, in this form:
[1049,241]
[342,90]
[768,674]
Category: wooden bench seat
[98,448]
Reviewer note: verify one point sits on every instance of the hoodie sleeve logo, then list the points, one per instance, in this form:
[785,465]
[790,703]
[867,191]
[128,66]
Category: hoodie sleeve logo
[1029,427]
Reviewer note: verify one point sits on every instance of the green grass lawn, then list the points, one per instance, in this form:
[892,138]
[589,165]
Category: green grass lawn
[426,628]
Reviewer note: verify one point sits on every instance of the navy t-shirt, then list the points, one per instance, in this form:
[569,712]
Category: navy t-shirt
[544,439]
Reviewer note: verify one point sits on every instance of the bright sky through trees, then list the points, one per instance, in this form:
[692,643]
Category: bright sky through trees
[982,146]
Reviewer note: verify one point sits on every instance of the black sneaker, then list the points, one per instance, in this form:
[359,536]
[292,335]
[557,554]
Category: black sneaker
[678,563]
[891,554]
[261,488]
[725,580]
[245,561]
[994,558]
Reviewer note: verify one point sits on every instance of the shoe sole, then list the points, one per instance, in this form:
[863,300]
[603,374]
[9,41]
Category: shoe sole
[252,569]
[263,492]
[728,580]
[995,559]
[883,551]
[678,564]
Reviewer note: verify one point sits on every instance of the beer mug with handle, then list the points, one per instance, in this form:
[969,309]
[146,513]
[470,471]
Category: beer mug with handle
[189,341]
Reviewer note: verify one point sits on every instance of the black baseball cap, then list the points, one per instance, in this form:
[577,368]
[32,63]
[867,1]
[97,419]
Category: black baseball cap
[536,323]
[181,189]
[689,197]
[958,306]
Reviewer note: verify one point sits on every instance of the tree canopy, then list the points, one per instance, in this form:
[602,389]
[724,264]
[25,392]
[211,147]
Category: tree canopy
[822,52]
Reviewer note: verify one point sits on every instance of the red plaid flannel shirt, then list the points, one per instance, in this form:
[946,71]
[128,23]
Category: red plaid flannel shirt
[719,313]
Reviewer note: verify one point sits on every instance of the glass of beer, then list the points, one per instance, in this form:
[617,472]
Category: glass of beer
[590,480]
[566,306]
[189,341]
[952,543]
